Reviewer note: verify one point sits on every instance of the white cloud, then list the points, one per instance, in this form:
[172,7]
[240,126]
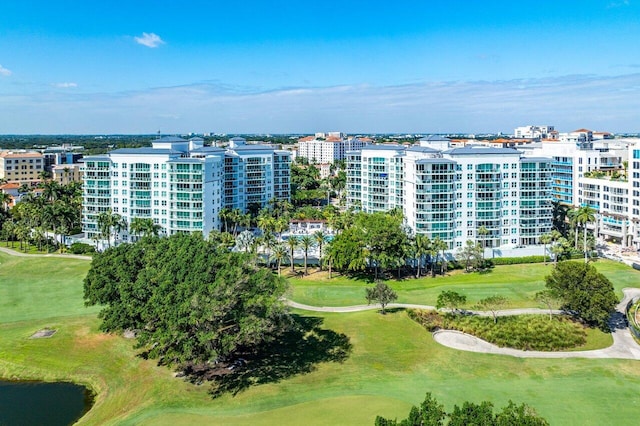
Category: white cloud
[5,72]
[149,39]
[616,4]
[66,85]
[570,102]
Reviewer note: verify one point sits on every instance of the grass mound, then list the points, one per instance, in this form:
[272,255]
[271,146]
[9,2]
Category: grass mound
[525,332]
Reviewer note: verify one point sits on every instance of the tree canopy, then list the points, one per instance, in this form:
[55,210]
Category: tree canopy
[382,294]
[188,299]
[584,291]
[432,413]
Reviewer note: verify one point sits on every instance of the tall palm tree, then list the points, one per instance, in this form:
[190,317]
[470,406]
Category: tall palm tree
[224,215]
[584,216]
[441,246]
[572,215]
[110,225]
[320,238]
[51,190]
[281,224]
[269,242]
[421,249]
[545,239]
[482,233]
[279,254]
[144,227]
[306,242]
[292,243]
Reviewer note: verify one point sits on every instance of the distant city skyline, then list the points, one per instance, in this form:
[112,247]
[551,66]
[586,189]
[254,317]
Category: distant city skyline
[71,67]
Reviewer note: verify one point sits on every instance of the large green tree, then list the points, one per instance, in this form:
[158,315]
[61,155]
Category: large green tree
[189,300]
[583,291]
[382,294]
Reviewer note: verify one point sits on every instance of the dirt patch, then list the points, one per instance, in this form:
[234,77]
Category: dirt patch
[43,334]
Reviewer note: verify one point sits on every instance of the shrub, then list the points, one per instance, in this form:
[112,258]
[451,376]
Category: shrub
[81,248]
[525,332]
[517,260]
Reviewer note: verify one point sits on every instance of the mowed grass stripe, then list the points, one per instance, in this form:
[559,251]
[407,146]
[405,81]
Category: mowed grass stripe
[519,283]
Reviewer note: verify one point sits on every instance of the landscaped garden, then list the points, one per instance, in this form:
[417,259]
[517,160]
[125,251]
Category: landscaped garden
[393,361]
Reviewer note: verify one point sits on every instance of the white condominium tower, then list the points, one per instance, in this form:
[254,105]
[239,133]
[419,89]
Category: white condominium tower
[180,184]
[454,193]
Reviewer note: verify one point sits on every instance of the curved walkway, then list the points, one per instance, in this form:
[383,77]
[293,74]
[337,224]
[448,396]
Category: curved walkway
[623,347]
[20,254]
[358,308]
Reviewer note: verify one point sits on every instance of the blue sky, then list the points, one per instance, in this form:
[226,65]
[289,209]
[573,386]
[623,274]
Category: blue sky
[300,67]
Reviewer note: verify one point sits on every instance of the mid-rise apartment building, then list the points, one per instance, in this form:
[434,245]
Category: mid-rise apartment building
[597,172]
[454,193]
[180,184]
[534,132]
[325,149]
[21,166]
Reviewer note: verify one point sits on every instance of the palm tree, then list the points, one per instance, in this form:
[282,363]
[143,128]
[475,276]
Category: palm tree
[572,215]
[421,246]
[224,215]
[320,238]
[292,243]
[144,227]
[483,232]
[545,239]
[5,200]
[281,224]
[245,240]
[269,242]
[279,254]
[585,215]
[266,223]
[110,224]
[559,213]
[119,224]
[51,190]
[306,242]
[440,246]
[9,231]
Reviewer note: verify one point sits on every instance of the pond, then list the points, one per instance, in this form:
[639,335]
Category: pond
[39,403]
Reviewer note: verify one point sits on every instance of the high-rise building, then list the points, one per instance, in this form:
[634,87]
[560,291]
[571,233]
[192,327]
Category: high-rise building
[494,195]
[180,184]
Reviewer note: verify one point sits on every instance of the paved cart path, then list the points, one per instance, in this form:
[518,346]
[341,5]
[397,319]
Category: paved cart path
[20,254]
[623,347]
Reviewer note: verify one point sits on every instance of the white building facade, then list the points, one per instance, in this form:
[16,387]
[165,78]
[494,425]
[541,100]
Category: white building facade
[452,194]
[180,184]
[322,150]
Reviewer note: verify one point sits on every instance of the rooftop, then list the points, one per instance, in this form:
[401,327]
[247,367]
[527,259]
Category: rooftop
[145,151]
[169,139]
[480,150]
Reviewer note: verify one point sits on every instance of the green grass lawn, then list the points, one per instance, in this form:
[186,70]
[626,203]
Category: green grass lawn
[41,287]
[393,363]
[518,283]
